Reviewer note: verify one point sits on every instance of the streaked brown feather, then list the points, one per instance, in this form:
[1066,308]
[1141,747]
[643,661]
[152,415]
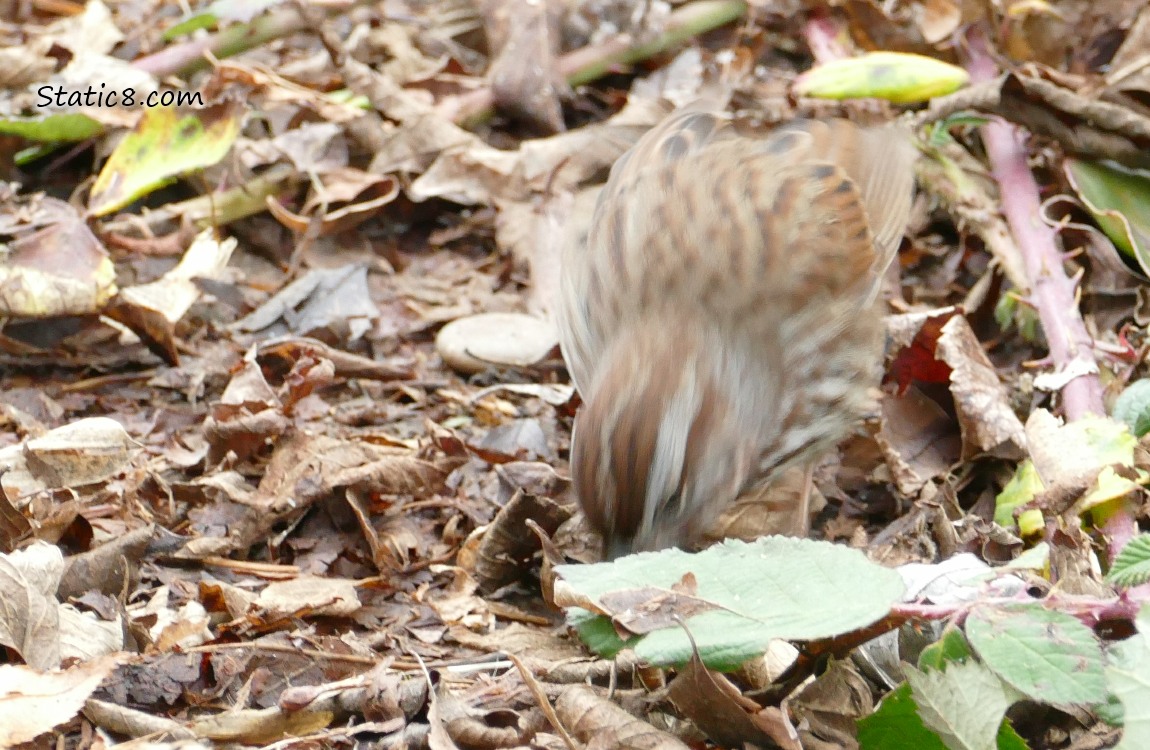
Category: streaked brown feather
[720,317]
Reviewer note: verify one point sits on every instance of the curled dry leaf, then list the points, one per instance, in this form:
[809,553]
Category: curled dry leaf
[152,310]
[826,710]
[1083,125]
[725,715]
[460,726]
[59,269]
[128,722]
[525,31]
[918,438]
[506,544]
[590,717]
[81,453]
[370,193]
[248,416]
[259,727]
[30,617]
[108,568]
[940,347]
[287,350]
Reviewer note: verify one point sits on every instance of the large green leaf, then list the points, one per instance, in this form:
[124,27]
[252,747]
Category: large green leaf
[1048,656]
[734,598]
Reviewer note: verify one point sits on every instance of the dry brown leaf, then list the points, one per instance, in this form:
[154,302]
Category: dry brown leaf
[110,568]
[456,725]
[919,440]
[940,347]
[1084,125]
[248,416]
[29,612]
[259,727]
[518,32]
[59,269]
[776,508]
[724,714]
[309,596]
[331,303]
[84,452]
[152,310]
[827,709]
[33,702]
[505,546]
[988,423]
[456,603]
[645,609]
[602,725]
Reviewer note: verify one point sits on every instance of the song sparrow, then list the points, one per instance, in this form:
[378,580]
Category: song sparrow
[720,317]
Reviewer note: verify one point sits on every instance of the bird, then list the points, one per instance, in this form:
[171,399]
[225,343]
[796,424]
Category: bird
[720,315]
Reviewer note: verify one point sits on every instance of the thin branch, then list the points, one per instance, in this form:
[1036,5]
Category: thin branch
[590,63]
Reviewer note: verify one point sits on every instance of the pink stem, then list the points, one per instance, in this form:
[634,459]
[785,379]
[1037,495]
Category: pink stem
[1052,291]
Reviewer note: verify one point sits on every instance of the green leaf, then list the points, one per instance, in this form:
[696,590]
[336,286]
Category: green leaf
[162,146]
[1020,490]
[1110,712]
[1133,407]
[1128,675]
[1132,565]
[52,128]
[1008,739]
[596,632]
[964,705]
[735,598]
[1048,656]
[896,725]
[898,77]
[950,648]
[1119,199]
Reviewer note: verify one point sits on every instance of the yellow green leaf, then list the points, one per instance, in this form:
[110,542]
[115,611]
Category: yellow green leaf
[1021,489]
[164,145]
[898,77]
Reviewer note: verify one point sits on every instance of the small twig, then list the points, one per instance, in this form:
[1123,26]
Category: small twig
[276,648]
[188,57]
[215,209]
